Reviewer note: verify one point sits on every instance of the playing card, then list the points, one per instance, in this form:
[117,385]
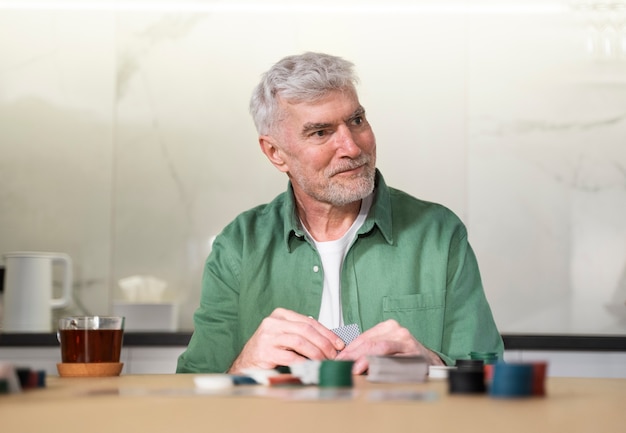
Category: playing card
[347,333]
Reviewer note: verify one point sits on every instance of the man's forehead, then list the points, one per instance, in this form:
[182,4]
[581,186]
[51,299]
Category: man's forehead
[330,108]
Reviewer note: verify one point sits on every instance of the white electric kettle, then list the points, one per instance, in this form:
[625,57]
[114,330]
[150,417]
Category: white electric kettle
[28,300]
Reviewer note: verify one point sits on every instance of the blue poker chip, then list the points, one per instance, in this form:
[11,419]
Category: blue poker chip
[512,380]
[41,378]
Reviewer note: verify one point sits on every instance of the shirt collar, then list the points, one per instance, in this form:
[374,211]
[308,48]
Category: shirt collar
[379,214]
[292,223]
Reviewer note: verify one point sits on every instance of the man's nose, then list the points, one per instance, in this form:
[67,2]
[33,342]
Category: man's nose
[346,142]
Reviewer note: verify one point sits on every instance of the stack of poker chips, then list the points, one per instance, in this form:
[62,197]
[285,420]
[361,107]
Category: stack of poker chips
[14,380]
[468,377]
[500,379]
[30,379]
[489,359]
[518,379]
[335,374]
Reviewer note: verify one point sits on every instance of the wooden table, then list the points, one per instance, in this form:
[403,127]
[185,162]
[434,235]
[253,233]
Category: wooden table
[169,403]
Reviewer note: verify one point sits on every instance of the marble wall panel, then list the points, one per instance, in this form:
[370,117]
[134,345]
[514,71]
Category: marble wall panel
[56,142]
[187,158]
[126,141]
[547,128]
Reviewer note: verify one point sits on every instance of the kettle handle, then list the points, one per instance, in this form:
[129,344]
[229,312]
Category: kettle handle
[65,261]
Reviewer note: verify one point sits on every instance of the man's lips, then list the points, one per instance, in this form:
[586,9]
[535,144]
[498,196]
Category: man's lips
[349,170]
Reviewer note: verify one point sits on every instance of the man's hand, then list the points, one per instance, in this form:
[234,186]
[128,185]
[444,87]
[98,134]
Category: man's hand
[386,338]
[286,337]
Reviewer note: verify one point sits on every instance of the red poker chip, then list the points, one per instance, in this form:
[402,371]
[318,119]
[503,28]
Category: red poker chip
[284,380]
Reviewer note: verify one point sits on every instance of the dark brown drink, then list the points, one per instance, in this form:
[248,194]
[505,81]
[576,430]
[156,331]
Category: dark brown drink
[90,345]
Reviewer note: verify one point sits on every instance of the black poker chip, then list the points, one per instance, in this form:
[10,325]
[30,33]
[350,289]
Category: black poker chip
[470,364]
[466,381]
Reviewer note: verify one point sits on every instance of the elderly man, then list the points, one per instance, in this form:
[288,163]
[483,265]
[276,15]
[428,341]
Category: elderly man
[338,247]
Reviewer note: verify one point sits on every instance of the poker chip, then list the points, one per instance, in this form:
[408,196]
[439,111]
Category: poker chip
[261,375]
[24,376]
[466,381]
[8,374]
[243,380]
[512,380]
[489,373]
[284,380]
[540,369]
[30,379]
[335,374]
[307,371]
[41,378]
[439,371]
[470,364]
[480,360]
[213,382]
[486,357]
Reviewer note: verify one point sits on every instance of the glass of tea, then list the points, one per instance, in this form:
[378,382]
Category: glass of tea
[91,339]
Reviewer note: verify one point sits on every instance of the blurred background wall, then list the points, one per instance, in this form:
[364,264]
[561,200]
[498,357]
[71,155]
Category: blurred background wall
[125,139]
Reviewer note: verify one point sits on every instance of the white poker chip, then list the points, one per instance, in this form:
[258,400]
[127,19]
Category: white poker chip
[439,371]
[307,371]
[213,382]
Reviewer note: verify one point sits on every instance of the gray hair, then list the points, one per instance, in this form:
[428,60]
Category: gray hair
[303,77]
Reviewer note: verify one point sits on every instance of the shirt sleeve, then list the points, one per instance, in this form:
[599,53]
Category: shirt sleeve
[214,343]
[468,322]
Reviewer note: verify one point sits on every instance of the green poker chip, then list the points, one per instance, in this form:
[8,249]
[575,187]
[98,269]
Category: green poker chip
[335,374]
[487,357]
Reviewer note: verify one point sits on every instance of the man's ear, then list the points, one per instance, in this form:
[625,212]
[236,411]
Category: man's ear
[274,153]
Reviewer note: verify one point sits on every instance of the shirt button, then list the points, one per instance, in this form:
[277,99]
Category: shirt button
[316,269]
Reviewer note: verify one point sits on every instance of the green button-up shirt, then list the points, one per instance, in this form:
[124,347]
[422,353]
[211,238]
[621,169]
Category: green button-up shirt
[410,261]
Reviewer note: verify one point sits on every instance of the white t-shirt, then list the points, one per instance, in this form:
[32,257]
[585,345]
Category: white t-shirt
[332,254]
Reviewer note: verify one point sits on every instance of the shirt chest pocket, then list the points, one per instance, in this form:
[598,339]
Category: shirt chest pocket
[421,313]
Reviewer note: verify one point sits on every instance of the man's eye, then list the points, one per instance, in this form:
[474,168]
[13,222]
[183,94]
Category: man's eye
[357,120]
[319,133]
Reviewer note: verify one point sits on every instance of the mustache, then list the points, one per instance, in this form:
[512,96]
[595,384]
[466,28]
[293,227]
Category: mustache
[349,165]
